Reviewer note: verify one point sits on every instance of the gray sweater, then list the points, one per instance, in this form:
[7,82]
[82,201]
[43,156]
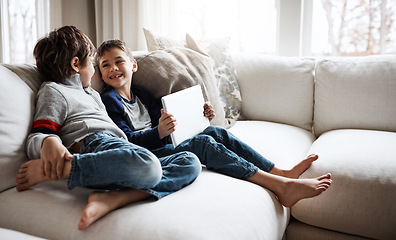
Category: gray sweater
[70,112]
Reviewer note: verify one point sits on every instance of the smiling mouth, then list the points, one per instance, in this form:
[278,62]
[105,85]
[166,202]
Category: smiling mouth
[116,76]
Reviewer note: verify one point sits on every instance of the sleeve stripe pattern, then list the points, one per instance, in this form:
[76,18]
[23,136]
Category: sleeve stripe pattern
[45,126]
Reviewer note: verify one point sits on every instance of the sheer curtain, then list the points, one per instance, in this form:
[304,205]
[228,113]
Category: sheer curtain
[125,19]
[22,23]
[251,25]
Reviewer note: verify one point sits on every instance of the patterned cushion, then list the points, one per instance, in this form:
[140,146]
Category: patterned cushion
[163,72]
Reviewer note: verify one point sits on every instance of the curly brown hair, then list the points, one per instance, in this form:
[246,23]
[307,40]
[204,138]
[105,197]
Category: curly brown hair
[54,52]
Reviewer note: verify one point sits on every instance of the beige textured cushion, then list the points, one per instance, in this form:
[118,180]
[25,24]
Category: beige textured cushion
[277,89]
[17,100]
[210,208]
[166,71]
[224,70]
[362,197]
[357,93]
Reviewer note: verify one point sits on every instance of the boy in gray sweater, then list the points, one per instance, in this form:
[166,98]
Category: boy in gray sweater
[72,136]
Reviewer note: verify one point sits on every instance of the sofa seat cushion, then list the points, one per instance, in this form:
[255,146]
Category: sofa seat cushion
[282,144]
[361,200]
[213,207]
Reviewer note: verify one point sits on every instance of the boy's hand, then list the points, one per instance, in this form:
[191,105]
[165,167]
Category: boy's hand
[166,124]
[209,112]
[53,156]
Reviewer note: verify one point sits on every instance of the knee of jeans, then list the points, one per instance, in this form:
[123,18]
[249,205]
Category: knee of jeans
[194,163]
[147,169]
[204,139]
[214,130]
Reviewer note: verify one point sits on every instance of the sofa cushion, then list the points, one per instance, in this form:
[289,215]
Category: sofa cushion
[166,71]
[213,207]
[17,100]
[361,199]
[282,144]
[277,89]
[357,93]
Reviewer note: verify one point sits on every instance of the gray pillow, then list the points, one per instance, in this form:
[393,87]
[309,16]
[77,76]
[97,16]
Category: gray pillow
[162,72]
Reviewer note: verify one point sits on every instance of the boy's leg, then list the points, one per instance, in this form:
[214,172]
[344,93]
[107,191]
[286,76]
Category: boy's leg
[179,170]
[232,143]
[114,162]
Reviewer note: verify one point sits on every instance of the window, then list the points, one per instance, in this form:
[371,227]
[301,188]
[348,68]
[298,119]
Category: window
[19,30]
[22,23]
[250,24]
[353,27]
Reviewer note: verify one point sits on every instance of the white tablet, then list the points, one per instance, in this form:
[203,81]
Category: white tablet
[187,108]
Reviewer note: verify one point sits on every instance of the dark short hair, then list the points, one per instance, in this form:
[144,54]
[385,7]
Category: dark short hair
[54,52]
[114,43]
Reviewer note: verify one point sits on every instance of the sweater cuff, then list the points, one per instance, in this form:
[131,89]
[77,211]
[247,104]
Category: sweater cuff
[35,143]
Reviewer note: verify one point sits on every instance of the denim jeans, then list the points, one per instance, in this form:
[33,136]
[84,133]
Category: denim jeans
[222,152]
[107,162]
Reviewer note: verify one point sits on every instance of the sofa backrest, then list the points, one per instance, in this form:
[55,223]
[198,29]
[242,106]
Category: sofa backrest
[356,93]
[19,85]
[276,89]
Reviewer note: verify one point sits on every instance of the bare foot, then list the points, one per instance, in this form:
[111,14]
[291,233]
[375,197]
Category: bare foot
[297,189]
[101,203]
[298,169]
[30,174]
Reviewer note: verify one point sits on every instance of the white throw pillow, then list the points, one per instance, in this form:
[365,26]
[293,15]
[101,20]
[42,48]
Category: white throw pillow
[17,101]
[357,93]
[157,42]
[224,70]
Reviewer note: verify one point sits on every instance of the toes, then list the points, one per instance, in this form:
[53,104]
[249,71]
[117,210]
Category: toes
[326,176]
[21,187]
[313,157]
[21,175]
[21,180]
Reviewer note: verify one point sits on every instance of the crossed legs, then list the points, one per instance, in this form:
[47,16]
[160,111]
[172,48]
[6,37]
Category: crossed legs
[99,203]
[284,183]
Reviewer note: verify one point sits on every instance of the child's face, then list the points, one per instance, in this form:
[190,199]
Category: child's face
[87,71]
[117,68]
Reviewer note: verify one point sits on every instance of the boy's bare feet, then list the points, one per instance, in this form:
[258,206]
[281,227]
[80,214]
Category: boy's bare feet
[297,189]
[30,174]
[101,203]
[290,190]
[298,169]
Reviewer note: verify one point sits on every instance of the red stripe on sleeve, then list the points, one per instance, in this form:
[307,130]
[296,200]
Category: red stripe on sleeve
[47,124]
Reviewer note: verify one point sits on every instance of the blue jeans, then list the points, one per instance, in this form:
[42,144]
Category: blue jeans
[222,152]
[107,162]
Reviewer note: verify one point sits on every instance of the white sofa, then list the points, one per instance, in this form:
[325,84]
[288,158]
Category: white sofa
[342,109]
